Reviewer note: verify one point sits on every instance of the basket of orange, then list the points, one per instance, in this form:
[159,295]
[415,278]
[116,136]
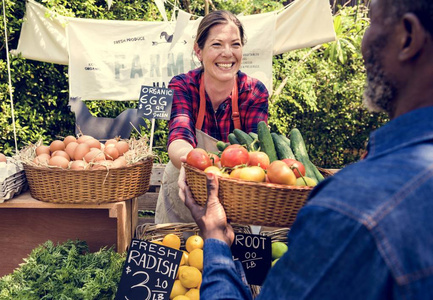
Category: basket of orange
[85,170]
[251,189]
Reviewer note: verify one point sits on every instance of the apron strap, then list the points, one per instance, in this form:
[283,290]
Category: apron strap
[202,109]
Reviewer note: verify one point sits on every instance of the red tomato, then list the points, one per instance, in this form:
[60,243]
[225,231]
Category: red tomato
[279,172]
[258,158]
[234,155]
[253,173]
[198,158]
[295,166]
[215,159]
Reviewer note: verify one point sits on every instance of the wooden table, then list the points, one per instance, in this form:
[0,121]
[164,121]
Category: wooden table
[27,223]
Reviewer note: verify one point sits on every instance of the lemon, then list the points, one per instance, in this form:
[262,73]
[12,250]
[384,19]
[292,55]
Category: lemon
[195,259]
[178,289]
[157,242]
[181,297]
[184,260]
[190,277]
[171,240]
[278,249]
[194,242]
[178,271]
[193,294]
[274,262]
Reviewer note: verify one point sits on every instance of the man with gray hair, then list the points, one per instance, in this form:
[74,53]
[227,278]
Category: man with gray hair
[367,231]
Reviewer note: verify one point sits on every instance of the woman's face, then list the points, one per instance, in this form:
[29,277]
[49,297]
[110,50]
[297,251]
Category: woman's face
[221,55]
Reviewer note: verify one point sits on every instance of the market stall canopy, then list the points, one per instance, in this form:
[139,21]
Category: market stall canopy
[110,60]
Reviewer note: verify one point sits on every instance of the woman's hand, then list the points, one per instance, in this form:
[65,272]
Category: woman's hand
[211,219]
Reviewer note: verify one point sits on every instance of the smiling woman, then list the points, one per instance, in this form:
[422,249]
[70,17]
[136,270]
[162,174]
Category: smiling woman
[209,103]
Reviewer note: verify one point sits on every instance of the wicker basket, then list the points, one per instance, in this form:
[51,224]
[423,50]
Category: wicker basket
[89,186]
[255,203]
[156,232]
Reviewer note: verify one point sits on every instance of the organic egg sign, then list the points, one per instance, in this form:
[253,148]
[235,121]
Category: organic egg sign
[155,102]
[255,253]
[149,271]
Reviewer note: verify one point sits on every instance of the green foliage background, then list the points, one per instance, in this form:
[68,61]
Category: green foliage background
[321,94]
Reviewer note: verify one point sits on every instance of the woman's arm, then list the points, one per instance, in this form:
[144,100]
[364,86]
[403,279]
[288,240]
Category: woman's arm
[177,149]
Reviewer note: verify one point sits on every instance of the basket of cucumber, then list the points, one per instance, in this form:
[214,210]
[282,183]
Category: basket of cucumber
[260,202]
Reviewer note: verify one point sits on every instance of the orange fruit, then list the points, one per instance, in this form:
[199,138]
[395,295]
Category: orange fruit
[194,242]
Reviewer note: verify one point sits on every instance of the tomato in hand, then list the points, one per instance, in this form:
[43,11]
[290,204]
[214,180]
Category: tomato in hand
[296,166]
[234,155]
[253,173]
[198,158]
[279,172]
[259,158]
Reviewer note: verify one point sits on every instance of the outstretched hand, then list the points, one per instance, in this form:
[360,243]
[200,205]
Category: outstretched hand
[211,219]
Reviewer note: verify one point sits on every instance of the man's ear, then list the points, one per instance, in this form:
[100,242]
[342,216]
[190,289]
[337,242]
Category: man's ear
[413,37]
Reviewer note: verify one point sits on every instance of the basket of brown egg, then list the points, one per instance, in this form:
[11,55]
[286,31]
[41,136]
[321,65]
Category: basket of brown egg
[85,170]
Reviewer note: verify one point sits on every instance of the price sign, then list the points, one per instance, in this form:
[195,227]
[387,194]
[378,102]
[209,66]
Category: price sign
[255,254]
[149,272]
[155,102]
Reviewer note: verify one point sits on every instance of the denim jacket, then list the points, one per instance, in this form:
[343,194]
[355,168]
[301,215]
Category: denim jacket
[365,233]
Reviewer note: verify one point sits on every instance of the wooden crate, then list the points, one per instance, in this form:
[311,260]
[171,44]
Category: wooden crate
[27,223]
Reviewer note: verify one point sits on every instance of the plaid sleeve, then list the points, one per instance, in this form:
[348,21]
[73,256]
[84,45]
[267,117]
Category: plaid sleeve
[255,106]
[182,121]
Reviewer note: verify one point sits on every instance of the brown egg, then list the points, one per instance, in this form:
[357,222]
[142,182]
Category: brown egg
[2,157]
[57,145]
[61,153]
[58,161]
[111,152]
[119,162]
[122,147]
[78,165]
[68,139]
[42,159]
[82,138]
[93,143]
[43,149]
[80,151]
[94,156]
[110,142]
[70,149]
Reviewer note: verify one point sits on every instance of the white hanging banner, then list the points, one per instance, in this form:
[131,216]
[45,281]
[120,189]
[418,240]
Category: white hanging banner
[110,60]
[305,23]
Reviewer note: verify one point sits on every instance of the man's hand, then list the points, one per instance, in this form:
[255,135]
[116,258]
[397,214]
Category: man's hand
[211,219]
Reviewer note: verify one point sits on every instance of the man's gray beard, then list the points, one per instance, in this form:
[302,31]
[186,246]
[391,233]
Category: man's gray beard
[379,92]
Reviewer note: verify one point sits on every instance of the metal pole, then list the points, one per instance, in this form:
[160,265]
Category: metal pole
[206,7]
[9,75]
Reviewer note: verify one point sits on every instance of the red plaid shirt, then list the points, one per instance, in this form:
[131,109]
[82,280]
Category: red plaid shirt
[252,102]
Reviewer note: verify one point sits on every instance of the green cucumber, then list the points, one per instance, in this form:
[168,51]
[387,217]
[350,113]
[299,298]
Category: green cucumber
[266,142]
[253,135]
[243,138]
[232,139]
[221,145]
[283,150]
[286,139]
[301,154]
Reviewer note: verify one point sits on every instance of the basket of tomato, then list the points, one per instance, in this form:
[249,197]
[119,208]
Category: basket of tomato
[251,188]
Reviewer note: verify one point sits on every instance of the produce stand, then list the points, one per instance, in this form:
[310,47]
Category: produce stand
[28,222]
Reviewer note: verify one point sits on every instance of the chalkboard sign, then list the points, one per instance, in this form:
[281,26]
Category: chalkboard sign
[149,271]
[155,102]
[254,252]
